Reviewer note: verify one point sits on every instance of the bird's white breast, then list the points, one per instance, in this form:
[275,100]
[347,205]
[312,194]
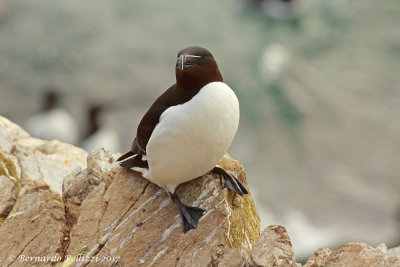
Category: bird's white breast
[191,138]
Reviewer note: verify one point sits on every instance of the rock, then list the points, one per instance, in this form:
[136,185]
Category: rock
[24,158]
[393,252]
[32,218]
[318,258]
[49,161]
[393,261]
[273,248]
[381,249]
[34,228]
[10,132]
[356,254]
[108,215]
[8,195]
[78,184]
[392,257]
[130,219]
[229,257]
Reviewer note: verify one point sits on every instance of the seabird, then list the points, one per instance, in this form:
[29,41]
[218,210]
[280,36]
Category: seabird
[187,130]
[53,122]
[99,135]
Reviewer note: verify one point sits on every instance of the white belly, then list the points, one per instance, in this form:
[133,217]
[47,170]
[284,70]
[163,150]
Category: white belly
[191,138]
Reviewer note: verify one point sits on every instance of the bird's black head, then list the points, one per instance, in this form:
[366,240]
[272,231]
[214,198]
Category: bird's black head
[196,67]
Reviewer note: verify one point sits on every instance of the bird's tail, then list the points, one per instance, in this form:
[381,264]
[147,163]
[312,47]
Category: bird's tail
[130,160]
[125,156]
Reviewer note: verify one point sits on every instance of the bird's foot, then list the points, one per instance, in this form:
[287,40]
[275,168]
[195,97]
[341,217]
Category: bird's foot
[230,182]
[190,216]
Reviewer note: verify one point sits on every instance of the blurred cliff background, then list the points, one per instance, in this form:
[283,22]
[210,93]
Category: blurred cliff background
[318,82]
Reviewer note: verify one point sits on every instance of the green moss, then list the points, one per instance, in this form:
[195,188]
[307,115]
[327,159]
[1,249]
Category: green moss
[8,169]
[244,229]
[244,220]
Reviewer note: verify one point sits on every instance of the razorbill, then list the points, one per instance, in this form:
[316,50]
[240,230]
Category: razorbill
[53,122]
[187,130]
[99,135]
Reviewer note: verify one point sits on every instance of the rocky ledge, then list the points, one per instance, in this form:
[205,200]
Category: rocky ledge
[62,207]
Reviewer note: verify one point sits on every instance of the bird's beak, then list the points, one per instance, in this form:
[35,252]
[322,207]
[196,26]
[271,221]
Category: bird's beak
[180,63]
[185,61]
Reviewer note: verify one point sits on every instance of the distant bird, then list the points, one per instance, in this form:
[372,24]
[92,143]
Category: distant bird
[98,135]
[53,122]
[187,130]
[273,61]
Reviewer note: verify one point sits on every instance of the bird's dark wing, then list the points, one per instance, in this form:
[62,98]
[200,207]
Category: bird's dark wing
[173,96]
[146,127]
[152,116]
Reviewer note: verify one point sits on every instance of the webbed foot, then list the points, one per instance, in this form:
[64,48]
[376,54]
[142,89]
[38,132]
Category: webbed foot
[190,216]
[229,181]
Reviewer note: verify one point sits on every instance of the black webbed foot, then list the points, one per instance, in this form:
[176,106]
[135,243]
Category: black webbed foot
[190,216]
[230,182]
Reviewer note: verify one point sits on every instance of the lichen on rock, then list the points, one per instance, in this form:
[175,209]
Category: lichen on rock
[241,209]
